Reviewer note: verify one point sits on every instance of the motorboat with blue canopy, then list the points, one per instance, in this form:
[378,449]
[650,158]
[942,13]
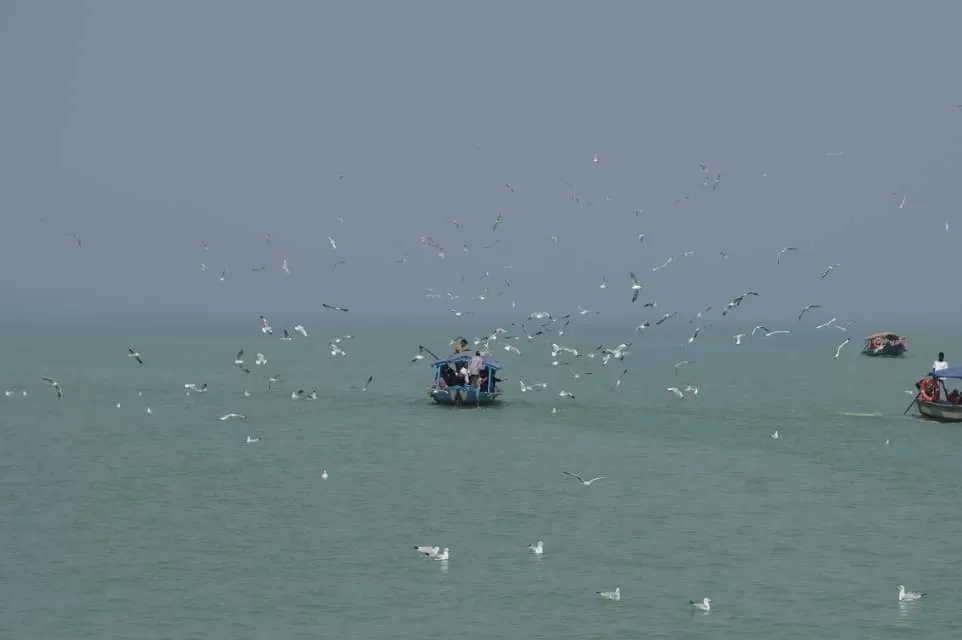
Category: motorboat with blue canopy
[935,401]
[452,385]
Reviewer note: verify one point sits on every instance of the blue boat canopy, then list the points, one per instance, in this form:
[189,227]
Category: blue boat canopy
[954,373]
[458,357]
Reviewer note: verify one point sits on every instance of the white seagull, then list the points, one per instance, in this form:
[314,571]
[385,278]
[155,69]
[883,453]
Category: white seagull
[808,308]
[738,338]
[827,324]
[537,548]
[136,356]
[566,394]
[265,326]
[678,392]
[333,243]
[611,595]
[284,266]
[781,252]
[300,329]
[232,416]
[839,349]
[663,264]
[830,269]
[704,605]
[586,483]
[635,287]
[56,385]
[909,596]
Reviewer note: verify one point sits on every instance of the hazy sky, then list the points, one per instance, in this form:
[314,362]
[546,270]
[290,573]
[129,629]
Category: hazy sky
[148,127]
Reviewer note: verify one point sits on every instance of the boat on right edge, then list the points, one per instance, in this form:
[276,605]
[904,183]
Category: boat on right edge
[934,401]
[885,344]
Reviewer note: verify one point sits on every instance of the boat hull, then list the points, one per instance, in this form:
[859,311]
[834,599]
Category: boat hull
[939,411]
[885,351]
[464,397]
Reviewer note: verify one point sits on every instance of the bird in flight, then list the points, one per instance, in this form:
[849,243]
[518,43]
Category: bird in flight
[635,287]
[586,483]
[808,308]
[333,307]
[830,269]
[135,355]
[56,385]
[781,252]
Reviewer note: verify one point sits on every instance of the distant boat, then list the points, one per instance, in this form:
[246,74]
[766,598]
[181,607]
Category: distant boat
[884,344]
[935,403]
[450,387]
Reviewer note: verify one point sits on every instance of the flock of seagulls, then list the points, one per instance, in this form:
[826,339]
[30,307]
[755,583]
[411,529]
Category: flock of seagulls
[522,337]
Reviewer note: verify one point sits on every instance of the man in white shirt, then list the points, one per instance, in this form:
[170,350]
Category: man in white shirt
[940,363]
[474,368]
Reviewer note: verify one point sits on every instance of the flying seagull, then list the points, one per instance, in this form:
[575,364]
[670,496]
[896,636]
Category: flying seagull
[831,268]
[77,238]
[839,349]
[663,264]
[826,324]
[635,287]
[136,356]
[586,483]
[333,307]
[56,385]
[808,308]
[781,252]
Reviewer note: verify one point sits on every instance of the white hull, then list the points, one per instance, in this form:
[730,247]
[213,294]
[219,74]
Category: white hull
[940,411]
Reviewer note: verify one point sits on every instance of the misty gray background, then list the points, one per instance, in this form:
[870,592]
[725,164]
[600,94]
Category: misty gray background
[147,127]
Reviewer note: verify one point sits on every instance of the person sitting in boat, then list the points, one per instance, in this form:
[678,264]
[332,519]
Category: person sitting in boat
[953,397]
[940,363]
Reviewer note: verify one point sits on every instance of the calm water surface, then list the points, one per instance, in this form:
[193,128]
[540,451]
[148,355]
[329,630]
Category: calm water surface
[119,523]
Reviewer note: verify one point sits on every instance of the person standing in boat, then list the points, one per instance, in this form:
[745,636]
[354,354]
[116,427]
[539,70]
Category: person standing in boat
[940,363]
[474,368]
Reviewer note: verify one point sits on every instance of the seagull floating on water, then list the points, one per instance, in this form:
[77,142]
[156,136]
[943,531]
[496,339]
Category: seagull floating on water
[610,595]
[704,605]
[909,596]
[537,548]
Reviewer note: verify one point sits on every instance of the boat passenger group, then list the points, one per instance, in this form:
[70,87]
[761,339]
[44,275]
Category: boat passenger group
[473,374]
[930,388]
